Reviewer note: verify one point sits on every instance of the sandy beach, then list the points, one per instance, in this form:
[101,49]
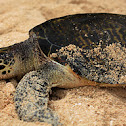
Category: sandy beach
[82,106]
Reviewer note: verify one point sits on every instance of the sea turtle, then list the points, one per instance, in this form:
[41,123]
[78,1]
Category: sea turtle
[67,52]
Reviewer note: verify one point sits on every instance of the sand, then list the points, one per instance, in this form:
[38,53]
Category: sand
[83,106]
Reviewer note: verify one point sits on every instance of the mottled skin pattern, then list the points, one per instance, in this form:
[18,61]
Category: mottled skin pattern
[32,92]
[18,59]
[32,97]
[32,59]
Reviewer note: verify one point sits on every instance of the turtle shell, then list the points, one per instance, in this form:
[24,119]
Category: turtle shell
[94,45]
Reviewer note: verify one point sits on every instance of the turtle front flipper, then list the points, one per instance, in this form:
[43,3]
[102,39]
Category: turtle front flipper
[32,92]
[31,99]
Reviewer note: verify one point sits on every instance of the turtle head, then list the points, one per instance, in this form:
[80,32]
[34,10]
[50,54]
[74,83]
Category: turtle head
[20,58]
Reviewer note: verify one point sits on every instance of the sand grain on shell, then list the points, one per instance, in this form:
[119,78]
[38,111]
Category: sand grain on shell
[107,65]
[114,57]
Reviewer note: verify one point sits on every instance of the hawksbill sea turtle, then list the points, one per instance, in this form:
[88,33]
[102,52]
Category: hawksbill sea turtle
[67,52]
